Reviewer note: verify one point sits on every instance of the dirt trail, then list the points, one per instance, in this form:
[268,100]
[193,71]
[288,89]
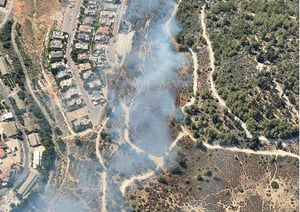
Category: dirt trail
[212,65]
[97,143]
[103,205]
[101,161]
[159,162]
[27,78]
[195,79]
[286,99]
[128,182]
[246,151]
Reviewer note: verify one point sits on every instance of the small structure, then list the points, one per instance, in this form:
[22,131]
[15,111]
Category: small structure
[62,75]
[94,84]
[58,66]
[34,139]
[83,57]
[56,44]
[74,104]
[86,75]
[2,3]
[84,67]
[58,35]
[4,175]
[28,184]
[56,55]
[37,158]
[9,129]
[88,21]
[82,124]
[3,66]
[71,93]
[66,83]
[83,37]
[85,28]
[2,153]
[83,46]
[7,116]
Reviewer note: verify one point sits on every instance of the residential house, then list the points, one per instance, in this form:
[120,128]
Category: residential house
[83,37]
[83,46]
[82,124]
[84,67]
[58,35]
[84,57]
[56,55]
[85,28]
[71,93]
[34,139]
[56,44]
[3,67]
[2,3]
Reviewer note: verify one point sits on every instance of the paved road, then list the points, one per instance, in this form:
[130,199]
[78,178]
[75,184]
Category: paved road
[71,22]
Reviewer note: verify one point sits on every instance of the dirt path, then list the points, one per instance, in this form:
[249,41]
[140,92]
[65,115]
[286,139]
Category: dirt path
[104,187]
[101,161]
[195,79]
[27,78]
[97,143]
[246,151]
[212,65]
[159,162]
[128,182]
[286,99]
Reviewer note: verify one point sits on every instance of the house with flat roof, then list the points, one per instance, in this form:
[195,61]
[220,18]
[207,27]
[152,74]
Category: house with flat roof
[28,183]
[58,66]
[74,104]
[62,75]
[3,66]
[9,129]
[66,83]
[34,139]
[94,84]
[82,124]
[7,116]
[83,46]
[56,55]
[88,20]
[83,57]
[71,93]
[56,44]
[84,67]
[2,3]
[37,159]
[87,74]
[85,28]
[83,37]
[58,35]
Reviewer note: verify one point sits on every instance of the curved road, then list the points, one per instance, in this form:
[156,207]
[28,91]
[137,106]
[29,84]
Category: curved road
[212,65]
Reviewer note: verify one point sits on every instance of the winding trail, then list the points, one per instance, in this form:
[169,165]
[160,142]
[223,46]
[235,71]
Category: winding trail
[212,65]
[129,181]
[101,161]
[286,99]
[159,161]
[195,79]
[246,151]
